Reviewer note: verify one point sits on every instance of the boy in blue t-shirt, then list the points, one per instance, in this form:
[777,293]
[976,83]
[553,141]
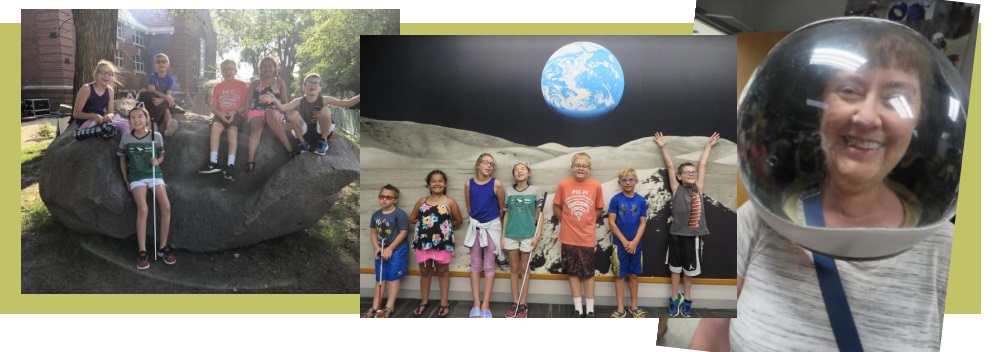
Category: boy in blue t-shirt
[627,220]
[389,227]
[158,94]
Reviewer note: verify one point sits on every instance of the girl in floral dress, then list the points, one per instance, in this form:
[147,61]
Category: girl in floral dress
[434,217]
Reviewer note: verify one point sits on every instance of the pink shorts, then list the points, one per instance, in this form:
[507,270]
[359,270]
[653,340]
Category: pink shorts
[440,256]
[256,113]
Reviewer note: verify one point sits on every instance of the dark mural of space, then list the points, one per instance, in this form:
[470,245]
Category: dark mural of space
[680,85]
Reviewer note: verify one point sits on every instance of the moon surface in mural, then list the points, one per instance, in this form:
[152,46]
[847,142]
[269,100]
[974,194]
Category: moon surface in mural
[582,81]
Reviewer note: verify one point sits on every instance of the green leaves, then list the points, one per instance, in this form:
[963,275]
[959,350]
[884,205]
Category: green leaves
[323,41]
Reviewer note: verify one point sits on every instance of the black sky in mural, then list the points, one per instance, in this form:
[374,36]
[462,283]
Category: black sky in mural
[680,85]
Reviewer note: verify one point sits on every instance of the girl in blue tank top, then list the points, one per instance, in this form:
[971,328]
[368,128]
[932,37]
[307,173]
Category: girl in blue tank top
[485,197]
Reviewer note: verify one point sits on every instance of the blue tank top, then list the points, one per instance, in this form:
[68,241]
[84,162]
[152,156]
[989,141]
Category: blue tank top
[95,104]
[483,201]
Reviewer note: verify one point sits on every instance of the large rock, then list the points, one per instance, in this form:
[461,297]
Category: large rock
[81,186]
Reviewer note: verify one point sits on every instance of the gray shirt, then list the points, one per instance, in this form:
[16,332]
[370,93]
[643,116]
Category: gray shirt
[388,226]
[681,208]
[897,302]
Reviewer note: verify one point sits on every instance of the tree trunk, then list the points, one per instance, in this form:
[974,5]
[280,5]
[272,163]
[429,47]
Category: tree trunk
[96,33]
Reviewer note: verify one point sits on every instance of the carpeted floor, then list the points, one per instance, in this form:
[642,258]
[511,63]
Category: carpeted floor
[461,309]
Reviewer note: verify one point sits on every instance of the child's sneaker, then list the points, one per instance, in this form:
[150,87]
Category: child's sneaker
[211,168]
[523,309]
[686,307]
[303,146]
[143,260]
[229,173]
[673,306]
[590,315]
[577,314]
[322,148]
[512,311]
[167,254]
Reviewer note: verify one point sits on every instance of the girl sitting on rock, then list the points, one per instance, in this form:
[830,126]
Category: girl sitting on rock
[95,100]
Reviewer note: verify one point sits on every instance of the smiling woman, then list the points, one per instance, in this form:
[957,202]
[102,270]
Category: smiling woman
[851,137]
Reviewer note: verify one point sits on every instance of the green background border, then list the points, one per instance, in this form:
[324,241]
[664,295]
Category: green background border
[964,294]
[965,279]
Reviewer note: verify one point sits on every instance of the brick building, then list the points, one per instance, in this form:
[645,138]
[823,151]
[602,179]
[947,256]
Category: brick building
[48,47]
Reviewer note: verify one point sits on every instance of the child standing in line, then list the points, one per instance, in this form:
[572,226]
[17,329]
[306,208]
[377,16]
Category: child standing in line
[684,250]
[389,227]
[227,106]
[434,217]
[522,205]
[140,172]
[578,204]
[485,197]
[309,116]
[627,220]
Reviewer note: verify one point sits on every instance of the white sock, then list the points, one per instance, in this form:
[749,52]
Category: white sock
[231,160]
[214,157]
[577,304]
[590,302]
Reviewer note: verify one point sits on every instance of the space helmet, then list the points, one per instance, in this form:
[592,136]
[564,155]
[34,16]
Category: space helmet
[851,102]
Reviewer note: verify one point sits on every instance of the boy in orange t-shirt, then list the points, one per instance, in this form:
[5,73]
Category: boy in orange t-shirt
[583,200]
[226,101]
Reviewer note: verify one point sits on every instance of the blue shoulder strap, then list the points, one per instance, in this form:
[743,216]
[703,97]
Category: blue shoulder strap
[839,311]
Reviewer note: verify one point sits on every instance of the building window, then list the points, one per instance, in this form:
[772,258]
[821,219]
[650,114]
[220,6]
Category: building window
[118,58]
[139,63]
[203,45]
[120,32]
[139,38]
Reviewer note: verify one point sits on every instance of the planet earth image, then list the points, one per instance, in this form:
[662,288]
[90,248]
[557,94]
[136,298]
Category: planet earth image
[582,81]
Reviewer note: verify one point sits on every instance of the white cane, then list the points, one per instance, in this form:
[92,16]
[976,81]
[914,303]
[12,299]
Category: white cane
[539,230]
[155,230]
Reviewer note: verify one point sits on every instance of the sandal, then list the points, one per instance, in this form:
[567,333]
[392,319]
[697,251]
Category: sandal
[486,313]
[619,314]
[441,308]
[250,166]
[637,312]
[384,313]
[475,313]
[417,313]
[369,314]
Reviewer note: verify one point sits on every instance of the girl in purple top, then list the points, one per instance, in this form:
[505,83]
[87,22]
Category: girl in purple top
[95,100]
[485,197]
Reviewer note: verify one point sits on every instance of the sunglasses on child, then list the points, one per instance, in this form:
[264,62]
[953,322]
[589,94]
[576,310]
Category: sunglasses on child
[628,180]
[383,197]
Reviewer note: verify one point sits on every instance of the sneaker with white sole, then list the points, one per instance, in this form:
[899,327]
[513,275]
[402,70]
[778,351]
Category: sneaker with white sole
[167,254]
[211,168]
[143,260]
[511,311]
[322,148]
[523,309]
[229,173]
[674,306]
[686,307]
